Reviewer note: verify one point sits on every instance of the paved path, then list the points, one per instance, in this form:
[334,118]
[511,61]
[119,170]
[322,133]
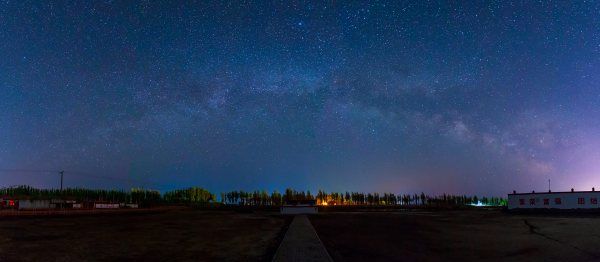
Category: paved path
[301,243]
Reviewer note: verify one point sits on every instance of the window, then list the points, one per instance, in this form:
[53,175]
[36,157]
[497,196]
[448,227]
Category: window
[546,201]
[581,201]
[594,201]
[532,201]
[521,201]
[558,201]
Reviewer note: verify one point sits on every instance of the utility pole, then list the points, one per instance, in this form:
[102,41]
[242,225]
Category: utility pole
[549,186]
[61,179]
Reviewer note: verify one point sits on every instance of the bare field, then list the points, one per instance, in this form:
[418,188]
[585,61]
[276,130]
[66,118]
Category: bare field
[195,235]
[177,235]
[475,235]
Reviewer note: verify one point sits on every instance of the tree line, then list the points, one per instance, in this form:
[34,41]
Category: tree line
[135,195]
[263,198]
[197,195]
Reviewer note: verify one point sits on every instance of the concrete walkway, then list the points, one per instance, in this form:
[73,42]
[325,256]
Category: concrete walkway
[301,243]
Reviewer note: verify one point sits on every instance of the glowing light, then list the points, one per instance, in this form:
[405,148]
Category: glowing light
[479,204]
[323,203]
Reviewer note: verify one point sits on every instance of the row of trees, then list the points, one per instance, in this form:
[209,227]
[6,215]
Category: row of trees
[190,196]
[79,194]
[136,195]
[255,198]
[263,198]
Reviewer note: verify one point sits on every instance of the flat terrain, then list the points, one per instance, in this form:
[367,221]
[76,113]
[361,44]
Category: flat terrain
[479,235]
[177,235]
[195,235]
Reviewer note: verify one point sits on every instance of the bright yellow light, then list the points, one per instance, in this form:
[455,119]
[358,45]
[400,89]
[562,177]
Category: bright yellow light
[323,203]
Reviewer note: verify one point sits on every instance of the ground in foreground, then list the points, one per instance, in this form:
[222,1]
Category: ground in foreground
[194,235]
[178,235]
[458,236]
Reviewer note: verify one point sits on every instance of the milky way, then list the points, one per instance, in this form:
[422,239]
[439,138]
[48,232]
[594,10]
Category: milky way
[481,97]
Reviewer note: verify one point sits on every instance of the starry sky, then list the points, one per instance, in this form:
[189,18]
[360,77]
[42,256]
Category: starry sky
[479,97]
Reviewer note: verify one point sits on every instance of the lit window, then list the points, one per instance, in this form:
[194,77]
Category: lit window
[593,201]
[581,201]
[557,201]
[546,201]
[532,201]
[521,201]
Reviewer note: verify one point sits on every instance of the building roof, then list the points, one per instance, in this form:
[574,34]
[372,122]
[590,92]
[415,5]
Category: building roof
[557,192]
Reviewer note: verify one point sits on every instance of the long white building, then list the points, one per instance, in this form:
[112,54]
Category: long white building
[557,200]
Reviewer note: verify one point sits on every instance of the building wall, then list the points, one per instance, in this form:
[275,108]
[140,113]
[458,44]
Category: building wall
[98,205]
[35,204]
[294,210]
[568,200]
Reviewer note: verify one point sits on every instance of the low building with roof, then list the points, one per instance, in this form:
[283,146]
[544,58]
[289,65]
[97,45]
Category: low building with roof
[554,200]
[299,207]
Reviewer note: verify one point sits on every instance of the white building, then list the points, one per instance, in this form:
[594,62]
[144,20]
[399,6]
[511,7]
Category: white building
[35,204]
[557,200]
[106,205]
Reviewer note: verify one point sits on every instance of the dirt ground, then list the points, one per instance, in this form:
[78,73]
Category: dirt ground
[481,235]
[178,235]
[194,235]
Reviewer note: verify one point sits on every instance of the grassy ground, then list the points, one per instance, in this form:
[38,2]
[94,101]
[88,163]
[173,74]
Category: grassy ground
[179,235]
[458,236]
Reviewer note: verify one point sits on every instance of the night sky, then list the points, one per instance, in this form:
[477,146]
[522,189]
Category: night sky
[474,97]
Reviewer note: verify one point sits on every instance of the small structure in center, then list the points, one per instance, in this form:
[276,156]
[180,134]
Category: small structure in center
[296,207]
